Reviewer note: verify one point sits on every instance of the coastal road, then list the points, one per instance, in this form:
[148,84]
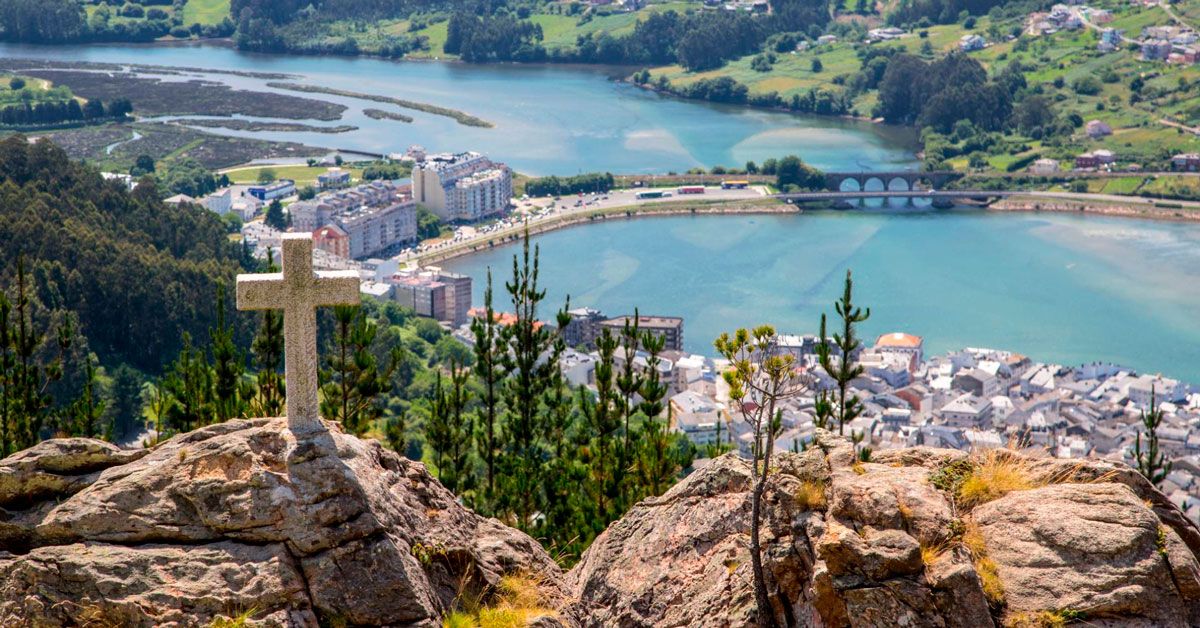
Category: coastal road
[536,213]
[542,214]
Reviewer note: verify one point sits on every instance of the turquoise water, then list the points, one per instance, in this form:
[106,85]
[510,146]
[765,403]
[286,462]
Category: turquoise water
[549,119]
[1057,288]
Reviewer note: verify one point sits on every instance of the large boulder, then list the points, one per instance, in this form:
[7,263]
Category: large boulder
[1094,548]
[885,543]
[243,516]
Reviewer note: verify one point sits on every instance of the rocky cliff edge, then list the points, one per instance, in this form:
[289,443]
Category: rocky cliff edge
[334,530]
[242,516]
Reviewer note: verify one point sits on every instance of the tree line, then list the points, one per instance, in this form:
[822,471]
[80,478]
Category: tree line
[552,185]
[938,94]
[65,21]
[697,40]
[51,113]
[493,38]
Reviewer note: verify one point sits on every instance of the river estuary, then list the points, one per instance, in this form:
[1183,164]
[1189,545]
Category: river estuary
[1056,287]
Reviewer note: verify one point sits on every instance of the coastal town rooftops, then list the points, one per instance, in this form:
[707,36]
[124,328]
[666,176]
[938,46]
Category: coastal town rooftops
[899,340]
[646,321]
[442,161]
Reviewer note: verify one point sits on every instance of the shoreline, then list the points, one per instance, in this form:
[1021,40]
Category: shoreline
[1138,208]
[1015,205]
[649,210]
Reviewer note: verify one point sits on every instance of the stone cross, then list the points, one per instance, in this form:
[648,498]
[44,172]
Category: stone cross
[298,291]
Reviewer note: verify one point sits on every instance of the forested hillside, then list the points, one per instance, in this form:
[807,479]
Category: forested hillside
[137,273]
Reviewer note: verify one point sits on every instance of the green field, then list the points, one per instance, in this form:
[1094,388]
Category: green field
[35,91]
[792,72]
[302,175]
[205,11]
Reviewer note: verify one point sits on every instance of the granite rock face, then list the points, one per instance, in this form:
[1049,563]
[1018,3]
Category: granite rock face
[329,529]
[878,544]
[239,516]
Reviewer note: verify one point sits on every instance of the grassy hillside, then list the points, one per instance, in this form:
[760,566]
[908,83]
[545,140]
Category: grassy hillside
[1057,65]
[205,11]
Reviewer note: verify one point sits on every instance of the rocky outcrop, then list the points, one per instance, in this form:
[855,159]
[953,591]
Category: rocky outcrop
[237,517]
[328,529]
[886,543]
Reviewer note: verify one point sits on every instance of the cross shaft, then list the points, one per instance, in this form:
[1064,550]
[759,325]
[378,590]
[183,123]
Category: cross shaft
[298,291]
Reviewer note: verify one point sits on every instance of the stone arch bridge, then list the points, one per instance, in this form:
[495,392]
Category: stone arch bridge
[908,179]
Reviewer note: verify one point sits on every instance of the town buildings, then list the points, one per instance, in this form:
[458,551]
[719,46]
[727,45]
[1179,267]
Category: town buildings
[371,219]
[971,399]
[670,328]
[971,42]
[1099,158]
[267,192]
[333,178]
[1044,167]
[584,327]
[1186,162]
[887,33]
[1096,129]
[1110,39]
[462,186]
[220,202]
[907,346]
[434,293]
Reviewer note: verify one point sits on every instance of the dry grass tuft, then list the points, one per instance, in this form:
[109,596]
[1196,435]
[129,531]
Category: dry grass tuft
[972,539]
[1043,619]
[240,620]
[931,553]
[811,495]
[518,600]
[989,576]
[996,474]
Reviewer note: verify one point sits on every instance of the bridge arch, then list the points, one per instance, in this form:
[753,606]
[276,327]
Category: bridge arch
[899,184]
[837,181]
[849,184]
[873,184]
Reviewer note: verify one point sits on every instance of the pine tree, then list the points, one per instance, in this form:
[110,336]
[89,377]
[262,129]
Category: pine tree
[396,433]
[561,515]
[846,407]
[1151,462]
[27,393]
[189,383]
[268,357]
[274,217]
[629,383]
[229,364]
[657,465]
[157,398]
[718,447]
[85,414]
[489,369]
[530,360]
[124,401]
[601,421]
[448,432]
[7,375]
[354,382]
[760,377]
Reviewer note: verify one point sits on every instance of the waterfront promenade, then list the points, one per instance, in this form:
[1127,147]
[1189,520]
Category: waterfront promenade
[540,215]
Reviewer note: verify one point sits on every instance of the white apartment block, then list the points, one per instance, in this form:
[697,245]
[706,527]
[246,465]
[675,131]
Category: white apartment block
[462,186]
